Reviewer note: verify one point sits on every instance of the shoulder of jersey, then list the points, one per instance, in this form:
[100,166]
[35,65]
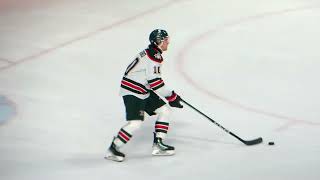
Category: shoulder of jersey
[154,55]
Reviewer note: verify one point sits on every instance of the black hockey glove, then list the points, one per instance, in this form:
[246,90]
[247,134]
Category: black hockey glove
[174,100]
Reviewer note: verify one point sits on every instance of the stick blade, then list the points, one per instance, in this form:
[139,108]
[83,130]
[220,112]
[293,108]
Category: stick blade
[253,142]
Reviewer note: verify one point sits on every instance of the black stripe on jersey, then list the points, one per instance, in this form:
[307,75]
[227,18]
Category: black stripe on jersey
[142,90]
[158,87]
[154,80]
[135,83]
[156,83]
[131,89]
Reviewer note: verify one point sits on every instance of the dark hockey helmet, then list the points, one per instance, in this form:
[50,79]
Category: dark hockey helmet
[157,36]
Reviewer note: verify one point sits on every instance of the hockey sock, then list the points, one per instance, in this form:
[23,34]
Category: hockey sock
[161,129]
[125,133]
[124,136]
[162,123]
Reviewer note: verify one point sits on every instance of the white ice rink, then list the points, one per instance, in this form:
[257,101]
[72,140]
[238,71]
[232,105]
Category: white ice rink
[253,66]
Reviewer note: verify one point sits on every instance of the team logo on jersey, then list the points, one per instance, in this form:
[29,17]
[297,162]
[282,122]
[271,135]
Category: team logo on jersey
[158,56]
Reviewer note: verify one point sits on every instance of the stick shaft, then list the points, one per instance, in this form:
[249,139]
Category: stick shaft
[210,119]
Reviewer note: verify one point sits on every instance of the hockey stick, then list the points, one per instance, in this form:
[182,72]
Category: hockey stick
[246,142]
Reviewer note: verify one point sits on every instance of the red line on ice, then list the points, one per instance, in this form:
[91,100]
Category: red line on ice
[90,34]
[195,41]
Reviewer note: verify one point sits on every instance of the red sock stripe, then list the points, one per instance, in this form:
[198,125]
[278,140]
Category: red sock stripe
[162,127]
[124,136]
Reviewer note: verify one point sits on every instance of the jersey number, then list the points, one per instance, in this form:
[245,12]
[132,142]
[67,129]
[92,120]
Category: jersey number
[156,69]
[131,66]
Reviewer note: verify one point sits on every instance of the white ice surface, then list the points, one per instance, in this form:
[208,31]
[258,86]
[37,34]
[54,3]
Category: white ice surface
[253,66]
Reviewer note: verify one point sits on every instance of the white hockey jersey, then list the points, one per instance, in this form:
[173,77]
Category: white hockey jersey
[144,74]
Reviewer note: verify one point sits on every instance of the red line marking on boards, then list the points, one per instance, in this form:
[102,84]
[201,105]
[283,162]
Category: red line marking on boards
[181,59]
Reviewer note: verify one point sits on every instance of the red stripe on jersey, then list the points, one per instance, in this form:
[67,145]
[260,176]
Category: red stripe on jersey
[162,127]
[124,136]
[156,83]
[126,83]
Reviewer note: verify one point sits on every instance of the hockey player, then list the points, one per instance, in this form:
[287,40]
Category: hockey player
[141,87]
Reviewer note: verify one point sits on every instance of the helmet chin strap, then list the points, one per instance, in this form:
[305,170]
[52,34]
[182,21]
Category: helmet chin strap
[159,45]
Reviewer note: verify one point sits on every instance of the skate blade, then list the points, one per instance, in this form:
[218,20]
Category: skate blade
[163,153]
[114,158]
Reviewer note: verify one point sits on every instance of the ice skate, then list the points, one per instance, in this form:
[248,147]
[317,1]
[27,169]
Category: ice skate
[114,154]
[160,149]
